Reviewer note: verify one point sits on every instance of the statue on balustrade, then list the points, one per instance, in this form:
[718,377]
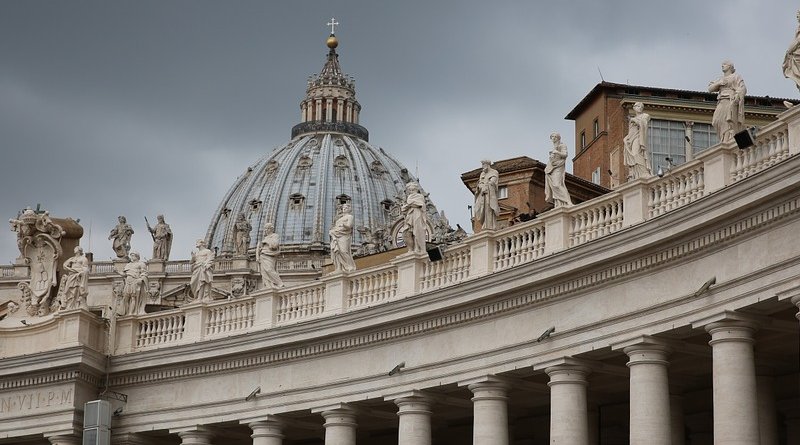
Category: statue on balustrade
[75,282]
[791,61]
[162,238]
[342,240]
[202,263]
[121,234]
[241,237]
[487,208]
[267,253]
[135,289]
[414,219]
[555,188]
[728,117]
[637,158]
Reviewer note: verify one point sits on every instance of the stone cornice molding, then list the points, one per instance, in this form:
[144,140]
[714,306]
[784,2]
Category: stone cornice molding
[754,222]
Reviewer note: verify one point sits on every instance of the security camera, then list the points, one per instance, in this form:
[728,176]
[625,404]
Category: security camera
[546,334]
[396,369]
[253,394]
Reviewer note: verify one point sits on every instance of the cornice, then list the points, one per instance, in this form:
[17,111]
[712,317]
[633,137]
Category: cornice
[556,286]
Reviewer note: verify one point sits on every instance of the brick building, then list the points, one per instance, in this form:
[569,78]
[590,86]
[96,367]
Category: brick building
[680,126]
[521,189]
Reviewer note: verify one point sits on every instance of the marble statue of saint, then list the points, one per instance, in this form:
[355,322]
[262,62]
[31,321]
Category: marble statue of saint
[267,253]
[414,219]
[135,288]
[202,272]
[121,234]
[241,237]
[341,241]
[728,117]
[636,157]
[555,189]
[162,239]
[75,282]
[791,62]
[487,209]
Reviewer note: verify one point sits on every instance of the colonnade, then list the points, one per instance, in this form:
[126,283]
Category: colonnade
[744,410]
[329,110]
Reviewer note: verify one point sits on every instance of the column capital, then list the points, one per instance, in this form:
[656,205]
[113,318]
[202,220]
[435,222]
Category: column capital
[647,353]
[414,405]
[727,317]
[338,415]
[196,437]
[487,388]
[567,373]
[731,330]
[267,428]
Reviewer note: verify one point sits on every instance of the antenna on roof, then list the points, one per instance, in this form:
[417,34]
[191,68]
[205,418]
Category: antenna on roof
[601,74]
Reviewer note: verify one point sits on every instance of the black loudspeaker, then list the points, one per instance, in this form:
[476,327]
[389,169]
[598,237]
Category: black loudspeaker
[435,253]
[745,138]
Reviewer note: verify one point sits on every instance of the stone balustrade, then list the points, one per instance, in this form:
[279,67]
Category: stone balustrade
[453,268]
[677,188]
[372,286]
[514,247]
[595,218]
[479,255]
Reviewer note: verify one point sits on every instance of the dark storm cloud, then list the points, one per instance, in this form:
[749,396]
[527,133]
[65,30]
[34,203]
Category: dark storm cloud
[139,108]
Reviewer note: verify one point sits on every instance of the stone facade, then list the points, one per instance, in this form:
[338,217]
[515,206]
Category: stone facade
[677,294]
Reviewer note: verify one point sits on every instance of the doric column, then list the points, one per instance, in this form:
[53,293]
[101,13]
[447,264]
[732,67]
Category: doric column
[767,410]
[64,440]
[196,437]
[490,419]
[676,419]
[349,112]
[267,432]
[734,380]
[340,426]
[318,114]
[339,110]
[649,394]
[414,420]
[568,417]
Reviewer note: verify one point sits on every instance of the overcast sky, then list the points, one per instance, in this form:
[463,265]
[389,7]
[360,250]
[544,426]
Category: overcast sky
[138,108]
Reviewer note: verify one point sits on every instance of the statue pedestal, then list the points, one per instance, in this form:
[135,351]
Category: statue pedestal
[240,263]
[119,264]
[156,266]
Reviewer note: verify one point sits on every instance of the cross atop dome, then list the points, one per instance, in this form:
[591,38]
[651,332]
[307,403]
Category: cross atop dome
[333,24]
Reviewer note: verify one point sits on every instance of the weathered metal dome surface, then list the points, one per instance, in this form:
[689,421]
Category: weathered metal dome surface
[299,187]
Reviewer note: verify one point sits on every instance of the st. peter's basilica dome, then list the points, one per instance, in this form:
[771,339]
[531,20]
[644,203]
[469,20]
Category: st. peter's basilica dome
[300,186]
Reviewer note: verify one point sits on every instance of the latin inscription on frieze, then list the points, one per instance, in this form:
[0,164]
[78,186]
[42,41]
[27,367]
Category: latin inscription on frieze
[35,400]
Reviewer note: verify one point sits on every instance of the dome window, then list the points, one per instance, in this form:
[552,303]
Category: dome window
[341,162]
[272,167]
[255,204]
[226,212]
[304,162]
[377,168]
[296,201]
[343,199]
[387,205]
